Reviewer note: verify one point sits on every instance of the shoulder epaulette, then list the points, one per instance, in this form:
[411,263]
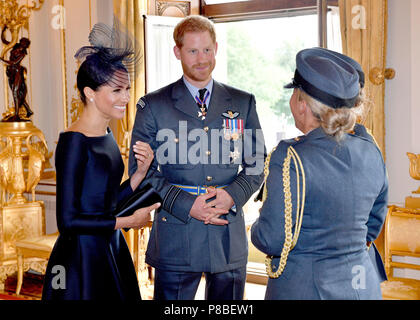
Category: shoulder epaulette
[141,103]
[294,141]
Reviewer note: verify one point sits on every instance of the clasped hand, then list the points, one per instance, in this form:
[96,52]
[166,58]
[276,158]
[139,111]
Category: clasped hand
[210,212]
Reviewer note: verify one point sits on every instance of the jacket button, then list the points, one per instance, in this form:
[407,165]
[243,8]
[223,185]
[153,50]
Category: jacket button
[164,219]
[209,178]
[208,152]
[206,129]
[176,140]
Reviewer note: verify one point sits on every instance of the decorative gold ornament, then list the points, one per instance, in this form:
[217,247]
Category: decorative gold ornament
[377,75]
[414,168]
[18,222]
[14,17]
[19,145]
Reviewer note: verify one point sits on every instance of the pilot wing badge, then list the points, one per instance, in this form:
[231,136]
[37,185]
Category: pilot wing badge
[233,126]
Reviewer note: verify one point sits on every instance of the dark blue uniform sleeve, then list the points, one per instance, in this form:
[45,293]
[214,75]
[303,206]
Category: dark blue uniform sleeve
[267,232]
[379,209]
[249,179]
[378,213]
[175,201]
[70,160]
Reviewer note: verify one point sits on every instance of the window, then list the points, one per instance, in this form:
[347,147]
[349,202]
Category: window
[256,53]
[258,56]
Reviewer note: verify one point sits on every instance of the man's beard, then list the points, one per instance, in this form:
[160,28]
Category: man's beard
[195,75]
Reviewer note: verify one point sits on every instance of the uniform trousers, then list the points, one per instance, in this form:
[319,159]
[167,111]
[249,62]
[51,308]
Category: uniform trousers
[179,285]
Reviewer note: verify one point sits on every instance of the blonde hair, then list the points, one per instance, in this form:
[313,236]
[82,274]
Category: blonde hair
[336,122]
[193,23]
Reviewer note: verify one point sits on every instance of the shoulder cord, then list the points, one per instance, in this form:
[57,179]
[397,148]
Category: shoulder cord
[289,242]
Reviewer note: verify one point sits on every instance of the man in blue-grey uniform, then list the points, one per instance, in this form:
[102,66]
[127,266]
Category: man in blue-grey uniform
[325,194]
[201,131]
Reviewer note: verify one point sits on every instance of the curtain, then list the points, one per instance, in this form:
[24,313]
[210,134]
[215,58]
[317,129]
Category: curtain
[364,38]
[130,13]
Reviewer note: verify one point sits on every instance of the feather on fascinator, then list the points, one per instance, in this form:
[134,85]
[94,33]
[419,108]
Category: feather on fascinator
[111,49]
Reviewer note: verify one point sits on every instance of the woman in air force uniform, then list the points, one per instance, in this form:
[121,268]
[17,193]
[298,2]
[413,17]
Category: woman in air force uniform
[325,193]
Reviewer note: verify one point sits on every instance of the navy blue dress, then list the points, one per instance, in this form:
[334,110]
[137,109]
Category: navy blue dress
[90,260]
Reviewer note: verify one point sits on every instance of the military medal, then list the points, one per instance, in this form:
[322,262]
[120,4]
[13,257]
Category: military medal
[233,128]
[201,103]
[234,155]
[202,114]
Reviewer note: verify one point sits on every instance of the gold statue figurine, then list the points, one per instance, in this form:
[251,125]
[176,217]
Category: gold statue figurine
[12,18]
[16,73]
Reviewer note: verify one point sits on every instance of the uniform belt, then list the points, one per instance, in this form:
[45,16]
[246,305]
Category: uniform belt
[196,190]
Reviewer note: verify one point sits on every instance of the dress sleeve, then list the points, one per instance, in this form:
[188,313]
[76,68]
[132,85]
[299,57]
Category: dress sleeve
[124,191]
[70,162]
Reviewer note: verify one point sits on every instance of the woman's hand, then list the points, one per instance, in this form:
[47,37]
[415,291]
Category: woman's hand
[138,219]
[144,156]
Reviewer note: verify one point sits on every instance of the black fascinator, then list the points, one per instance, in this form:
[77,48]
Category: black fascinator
[112,49]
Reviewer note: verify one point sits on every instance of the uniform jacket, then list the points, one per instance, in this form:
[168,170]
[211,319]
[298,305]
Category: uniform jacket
[374,254]
[345,206]
[179,242]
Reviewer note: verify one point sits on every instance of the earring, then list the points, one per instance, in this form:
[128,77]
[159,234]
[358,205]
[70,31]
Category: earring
[91,99]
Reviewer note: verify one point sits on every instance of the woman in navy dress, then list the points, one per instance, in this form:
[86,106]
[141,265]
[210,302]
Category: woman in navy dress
[325,194]
[91,260]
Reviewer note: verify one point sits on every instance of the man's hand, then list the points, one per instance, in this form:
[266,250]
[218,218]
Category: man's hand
[223,201]
[200,210]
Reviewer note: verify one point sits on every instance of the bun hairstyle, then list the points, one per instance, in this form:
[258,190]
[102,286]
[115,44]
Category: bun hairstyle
[330,84]
[111,50]
[336,122]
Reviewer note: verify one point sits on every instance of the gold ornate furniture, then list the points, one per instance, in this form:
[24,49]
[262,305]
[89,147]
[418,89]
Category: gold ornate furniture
[38,249]
[22,162]
[402,239]
[414,170]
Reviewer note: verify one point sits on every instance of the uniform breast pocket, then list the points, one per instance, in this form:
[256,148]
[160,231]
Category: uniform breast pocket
[172,241]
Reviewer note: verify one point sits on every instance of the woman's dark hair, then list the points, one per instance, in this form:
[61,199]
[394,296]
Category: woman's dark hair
[96,71]
[111,50]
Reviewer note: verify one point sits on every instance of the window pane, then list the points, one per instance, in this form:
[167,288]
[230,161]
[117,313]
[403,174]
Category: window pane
[258,56]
